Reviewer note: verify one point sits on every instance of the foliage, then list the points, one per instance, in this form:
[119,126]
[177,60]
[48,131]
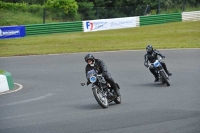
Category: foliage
[86,10]
[63,10]
[41,2]
[189,8]
[21,18]
[2,71]
[73,10]
[35,9]
[68,6]
[13,6]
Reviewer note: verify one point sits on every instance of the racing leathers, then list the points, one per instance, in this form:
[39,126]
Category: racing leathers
[152,57]
[100,67]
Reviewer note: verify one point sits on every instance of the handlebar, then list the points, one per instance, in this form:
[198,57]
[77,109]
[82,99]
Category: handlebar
[83,84]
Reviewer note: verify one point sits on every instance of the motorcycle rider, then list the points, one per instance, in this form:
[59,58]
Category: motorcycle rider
[100,67]
[151,56]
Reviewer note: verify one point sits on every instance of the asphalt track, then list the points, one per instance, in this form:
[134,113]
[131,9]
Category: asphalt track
[52,100]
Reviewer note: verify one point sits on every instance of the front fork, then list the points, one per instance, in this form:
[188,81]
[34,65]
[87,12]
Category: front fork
[101,89]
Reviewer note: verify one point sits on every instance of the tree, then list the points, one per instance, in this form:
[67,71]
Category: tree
[68,6]
[86,10]
[41,2]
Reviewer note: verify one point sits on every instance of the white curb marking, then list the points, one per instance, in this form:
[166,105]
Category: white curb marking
[20,87]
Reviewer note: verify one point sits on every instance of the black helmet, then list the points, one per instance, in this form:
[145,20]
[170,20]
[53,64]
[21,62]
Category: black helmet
[89,57]
[149,49]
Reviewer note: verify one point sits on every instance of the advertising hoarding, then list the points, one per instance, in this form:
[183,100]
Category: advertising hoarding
[12,32]
[107,24]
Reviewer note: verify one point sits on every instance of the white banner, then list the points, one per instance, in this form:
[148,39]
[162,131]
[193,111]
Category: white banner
[107,24]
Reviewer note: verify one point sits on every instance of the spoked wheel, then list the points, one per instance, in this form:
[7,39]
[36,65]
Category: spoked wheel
[100,97]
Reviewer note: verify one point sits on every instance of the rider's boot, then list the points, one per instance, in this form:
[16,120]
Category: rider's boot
[169,74]
[110,80]
[114,86]
[156,79]
[155,75]
[165,68]
[116,90]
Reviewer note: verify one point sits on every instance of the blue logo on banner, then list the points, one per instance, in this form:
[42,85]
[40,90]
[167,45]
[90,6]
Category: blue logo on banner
[12,32]
[95,25]
[90,25]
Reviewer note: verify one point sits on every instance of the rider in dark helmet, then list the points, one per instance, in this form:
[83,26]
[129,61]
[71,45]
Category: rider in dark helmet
[100,66]
[151,56]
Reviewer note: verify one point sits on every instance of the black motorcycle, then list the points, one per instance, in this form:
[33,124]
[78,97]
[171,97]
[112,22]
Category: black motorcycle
[102,90]
[163,76]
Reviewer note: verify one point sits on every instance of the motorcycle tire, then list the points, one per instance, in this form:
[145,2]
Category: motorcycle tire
[101,100]
[118,99]
[164,78]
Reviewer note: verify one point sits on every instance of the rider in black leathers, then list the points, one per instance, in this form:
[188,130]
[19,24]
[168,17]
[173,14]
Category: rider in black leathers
[151,56]
[100,67]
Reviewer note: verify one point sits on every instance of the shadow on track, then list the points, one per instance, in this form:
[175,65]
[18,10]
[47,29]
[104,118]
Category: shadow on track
[95,106]
[158,84]
[90,107]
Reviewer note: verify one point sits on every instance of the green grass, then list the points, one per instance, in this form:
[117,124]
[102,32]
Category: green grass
[1,71]
[20,18]
[162,36]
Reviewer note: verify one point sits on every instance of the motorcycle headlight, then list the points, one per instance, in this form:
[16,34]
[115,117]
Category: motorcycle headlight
[156,64]
[93,79]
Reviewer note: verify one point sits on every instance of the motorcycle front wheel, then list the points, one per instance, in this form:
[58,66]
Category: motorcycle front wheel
[100,97]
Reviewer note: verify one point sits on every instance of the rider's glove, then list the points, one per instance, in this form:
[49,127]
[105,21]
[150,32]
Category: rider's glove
[146,64]
[151,66]
[163,56]
[82,84]
[88,83]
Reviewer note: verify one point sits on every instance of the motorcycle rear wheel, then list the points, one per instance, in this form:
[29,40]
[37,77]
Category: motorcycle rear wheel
[118,99]
[164,78]
[102,100]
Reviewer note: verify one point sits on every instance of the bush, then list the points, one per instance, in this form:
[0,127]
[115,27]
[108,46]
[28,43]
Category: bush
[1,71]
[86,10]
[35,9]
[68,6]
[13,6]
[61,10]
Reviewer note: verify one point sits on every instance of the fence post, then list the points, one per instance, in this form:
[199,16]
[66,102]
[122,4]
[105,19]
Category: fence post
[183,8]
[97,12]
[147,10]
[44,15]
[158,6]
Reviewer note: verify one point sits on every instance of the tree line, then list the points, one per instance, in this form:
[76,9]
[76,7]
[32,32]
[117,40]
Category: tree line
[115,3]
[98,9]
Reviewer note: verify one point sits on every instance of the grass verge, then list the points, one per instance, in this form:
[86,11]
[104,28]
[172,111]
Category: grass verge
[1,71]
[171,35]
[20,18]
